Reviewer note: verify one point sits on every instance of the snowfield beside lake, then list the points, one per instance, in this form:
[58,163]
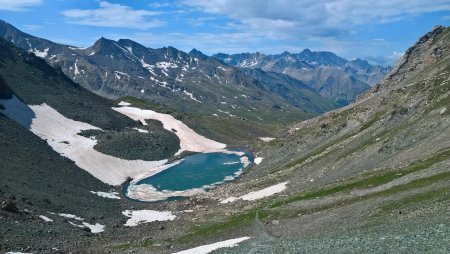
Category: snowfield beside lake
[189,139]
[254,195]
[61,134]
[204,249]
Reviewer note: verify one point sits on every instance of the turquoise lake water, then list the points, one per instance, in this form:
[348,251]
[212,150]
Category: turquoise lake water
[197,170]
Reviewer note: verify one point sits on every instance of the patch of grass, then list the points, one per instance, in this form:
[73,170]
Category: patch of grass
[422,182]
[373,120]
[291,213]
[122,246]
[144,244]
[438,194]
[216,228]
[367,180]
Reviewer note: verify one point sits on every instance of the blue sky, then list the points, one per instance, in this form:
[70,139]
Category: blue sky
[376,30]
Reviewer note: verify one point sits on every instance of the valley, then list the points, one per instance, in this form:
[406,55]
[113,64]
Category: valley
[120,148]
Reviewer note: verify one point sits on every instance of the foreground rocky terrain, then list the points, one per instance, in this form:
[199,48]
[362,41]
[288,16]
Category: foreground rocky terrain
[371,177]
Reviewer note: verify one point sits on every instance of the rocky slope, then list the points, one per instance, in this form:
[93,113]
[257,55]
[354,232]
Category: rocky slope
[326,73]
[371,177]
[188,82]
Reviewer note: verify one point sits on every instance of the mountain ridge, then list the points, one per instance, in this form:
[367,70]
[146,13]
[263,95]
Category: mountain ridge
[189,82]
[328,74]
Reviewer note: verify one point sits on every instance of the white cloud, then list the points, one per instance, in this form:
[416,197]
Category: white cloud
[18,5]
[159,5]
[385,60]
[394,57]
[312,17]
[114,15]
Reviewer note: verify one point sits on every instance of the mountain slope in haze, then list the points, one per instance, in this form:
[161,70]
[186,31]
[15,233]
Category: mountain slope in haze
[187,82]
[328,74]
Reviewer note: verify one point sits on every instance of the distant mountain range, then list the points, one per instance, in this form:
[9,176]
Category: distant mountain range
[187,82]
[328,74]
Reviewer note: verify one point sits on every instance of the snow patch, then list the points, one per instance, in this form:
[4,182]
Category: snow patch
[189,139]
[204,249]
[124,103]
[226,112]
[147,66]
[76,48]
[144,216]
[266,139]
[166,65]
[141,130]
[258,160]
[61,134]
[77,71]
[70,216]
[95,228]
[111,195]
[254,195]
[45,218]
[41,54]
[191,96]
